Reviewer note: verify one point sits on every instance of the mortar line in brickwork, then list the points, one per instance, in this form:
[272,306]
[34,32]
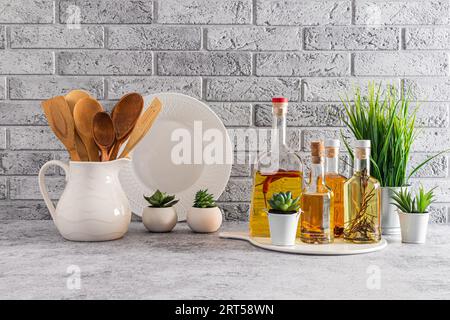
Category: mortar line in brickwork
[203,84]
[105,88]
[155,11]
[183,25]
[353,11]
[352,64]
[401,37]
[254,12]
[154,63]
[203,39]
[8,140]
[56,15]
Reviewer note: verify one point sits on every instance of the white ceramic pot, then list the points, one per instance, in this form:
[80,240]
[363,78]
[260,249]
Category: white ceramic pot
[93,206]
[159,219]
[204,220]
[283,228]
[390,224]
[413,226]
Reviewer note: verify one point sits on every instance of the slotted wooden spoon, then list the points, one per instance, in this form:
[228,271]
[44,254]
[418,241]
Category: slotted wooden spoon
[103,132]
[83,114]
[124,115]
[144,124]
[61,122]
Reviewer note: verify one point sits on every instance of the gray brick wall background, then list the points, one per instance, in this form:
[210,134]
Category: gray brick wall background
[233,54]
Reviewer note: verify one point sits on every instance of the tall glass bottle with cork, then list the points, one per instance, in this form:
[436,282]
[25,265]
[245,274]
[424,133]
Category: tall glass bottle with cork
[278,170]
[362,200]
[336,182]
[317,204]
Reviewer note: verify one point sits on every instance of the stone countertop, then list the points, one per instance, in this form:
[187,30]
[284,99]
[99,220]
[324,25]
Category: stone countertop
[35,261]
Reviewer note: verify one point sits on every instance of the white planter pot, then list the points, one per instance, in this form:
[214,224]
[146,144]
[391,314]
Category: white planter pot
[204,220]
[283,228]
[159,219]
[414,226]
[390,224]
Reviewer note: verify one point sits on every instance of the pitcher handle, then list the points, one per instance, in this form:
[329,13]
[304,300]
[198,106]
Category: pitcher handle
[43,187]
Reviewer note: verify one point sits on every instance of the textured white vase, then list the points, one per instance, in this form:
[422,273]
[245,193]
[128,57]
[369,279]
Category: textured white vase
[283,228]
[414,226]
[159,219]
[204,220]
[93,206]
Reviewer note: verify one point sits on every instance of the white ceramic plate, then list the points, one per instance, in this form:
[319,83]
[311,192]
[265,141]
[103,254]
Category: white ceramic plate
[152,166]
[338,248]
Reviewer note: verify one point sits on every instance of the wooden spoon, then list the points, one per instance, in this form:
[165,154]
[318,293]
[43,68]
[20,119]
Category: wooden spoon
[83,114]
[103,132]
[74,96]
[61,122]
[125,114]
[142,126]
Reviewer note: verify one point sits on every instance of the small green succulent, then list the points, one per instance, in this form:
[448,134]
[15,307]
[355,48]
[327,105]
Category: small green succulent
[283,202]
[161,200]
[409,203]
[203,199]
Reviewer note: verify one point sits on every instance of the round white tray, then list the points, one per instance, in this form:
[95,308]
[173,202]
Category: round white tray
[339,247]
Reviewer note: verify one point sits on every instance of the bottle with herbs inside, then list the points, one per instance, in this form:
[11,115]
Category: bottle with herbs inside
[317,203]
[336,182]
[362,200]
[275,171]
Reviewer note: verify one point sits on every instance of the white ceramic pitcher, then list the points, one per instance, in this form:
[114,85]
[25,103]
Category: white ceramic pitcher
[93,206]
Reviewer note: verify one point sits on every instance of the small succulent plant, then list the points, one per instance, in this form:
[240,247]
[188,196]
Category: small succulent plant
[409,203]
[161,200]
[203,199]
[283,203]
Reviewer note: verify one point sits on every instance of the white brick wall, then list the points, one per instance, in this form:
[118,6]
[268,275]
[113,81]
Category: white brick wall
[233,54]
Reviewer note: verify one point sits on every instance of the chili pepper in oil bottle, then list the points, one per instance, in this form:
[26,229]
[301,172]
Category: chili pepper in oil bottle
[278,170]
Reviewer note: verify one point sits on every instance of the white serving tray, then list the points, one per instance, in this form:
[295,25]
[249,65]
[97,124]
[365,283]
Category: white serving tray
[338,248]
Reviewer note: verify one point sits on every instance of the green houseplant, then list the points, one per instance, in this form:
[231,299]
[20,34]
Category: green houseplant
[384,116]
[204,216]
[283,218]
[413,213]
[160,216]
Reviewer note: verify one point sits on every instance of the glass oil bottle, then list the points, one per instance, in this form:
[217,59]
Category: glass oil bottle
[362,200]
[336,182]
[317,204]
[278,170]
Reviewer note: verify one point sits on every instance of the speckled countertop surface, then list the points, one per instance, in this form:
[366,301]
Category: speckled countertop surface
[35,261]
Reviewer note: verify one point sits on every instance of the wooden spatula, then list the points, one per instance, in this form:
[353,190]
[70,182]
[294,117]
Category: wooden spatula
[83,114]
[142,126]
[61,122]
[124,115]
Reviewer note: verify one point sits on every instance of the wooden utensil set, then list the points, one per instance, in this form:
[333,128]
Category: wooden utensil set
[89,133]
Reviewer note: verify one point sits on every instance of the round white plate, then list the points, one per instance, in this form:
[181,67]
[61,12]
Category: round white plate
[338,248]
[152,167]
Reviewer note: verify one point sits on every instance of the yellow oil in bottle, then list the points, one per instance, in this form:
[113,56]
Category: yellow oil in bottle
[317,218]
[336,183]
[264,186]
